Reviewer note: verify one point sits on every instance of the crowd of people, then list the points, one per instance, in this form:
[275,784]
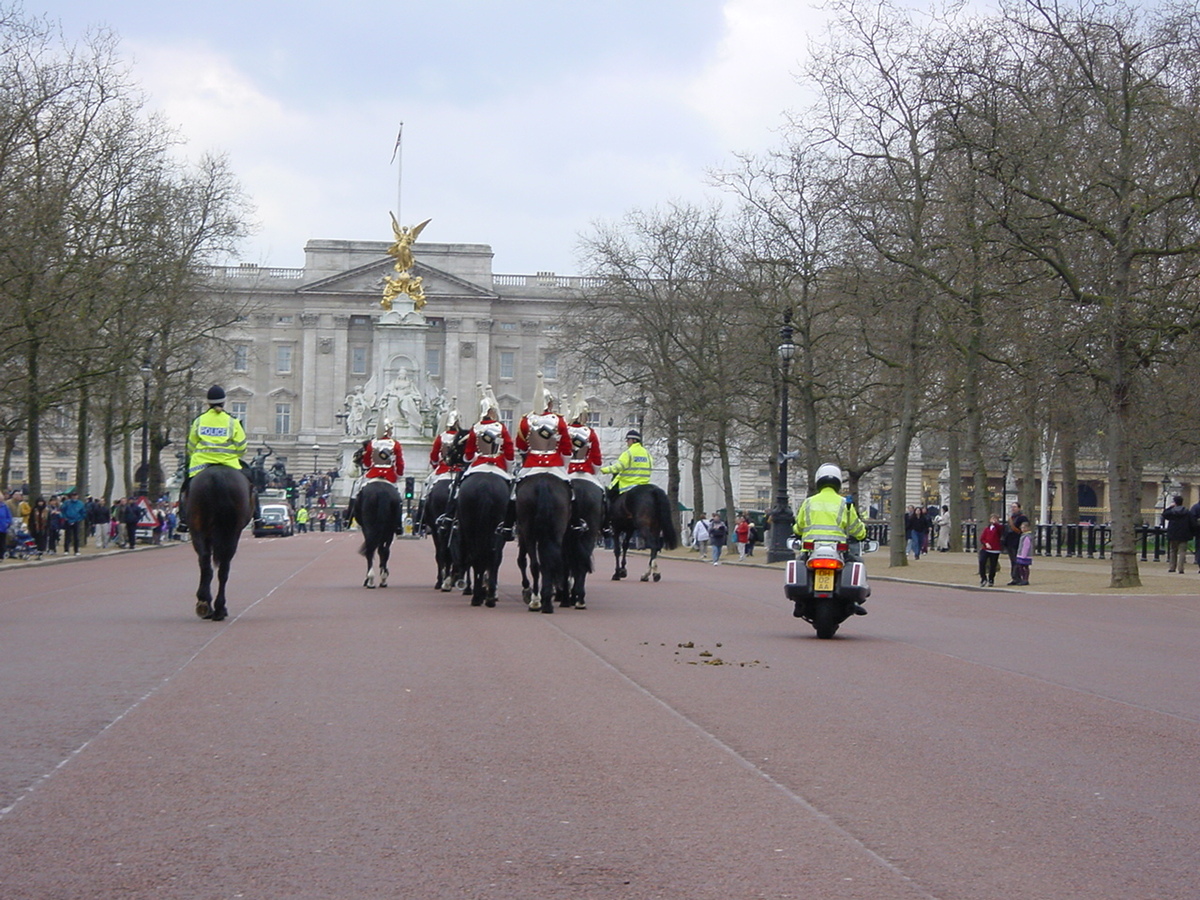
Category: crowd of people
[63,524]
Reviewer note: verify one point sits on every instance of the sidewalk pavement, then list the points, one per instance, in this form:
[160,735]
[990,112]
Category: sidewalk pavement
[1047,575]
[88,551]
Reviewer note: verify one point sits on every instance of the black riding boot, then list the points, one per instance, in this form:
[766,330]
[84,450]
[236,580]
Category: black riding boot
[510,516]
[181,509]
[578,523]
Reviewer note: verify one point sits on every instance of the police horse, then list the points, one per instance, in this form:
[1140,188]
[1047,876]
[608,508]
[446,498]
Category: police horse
[219,506]
[476,545]
[378,512]
[643,510]
[543,513]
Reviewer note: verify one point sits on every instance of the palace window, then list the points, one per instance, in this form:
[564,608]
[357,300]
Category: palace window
[358,360]
[550,366]
[508,364]
[283,418]
[506,416]
[433,362]
[283,360]
[237,409]
[241,357]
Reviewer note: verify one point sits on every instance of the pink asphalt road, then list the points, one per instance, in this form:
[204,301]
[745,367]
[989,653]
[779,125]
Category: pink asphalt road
[686,739]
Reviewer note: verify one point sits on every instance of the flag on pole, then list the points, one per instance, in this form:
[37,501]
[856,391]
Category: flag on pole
[396,149]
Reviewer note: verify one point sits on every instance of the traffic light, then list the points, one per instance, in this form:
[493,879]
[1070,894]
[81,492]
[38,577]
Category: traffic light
[408,487]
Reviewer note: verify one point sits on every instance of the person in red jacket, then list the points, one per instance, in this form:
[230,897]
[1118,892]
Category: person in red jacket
[443,461]
[542,437]
[489,442]
[991,544]
[384,457]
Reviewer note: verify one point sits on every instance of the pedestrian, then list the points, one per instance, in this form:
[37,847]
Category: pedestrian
[39,524]
[6,524]
[73,515]
[1178,521]
[754,538]
[700,535]
[718,531]
[916,529]
[101,520]
[1196,532]
[741,532]
[302,520]
[56,523]
[991,543]
[1024,557]
[132,516]
[1012,537]
[943,529]
[18,512]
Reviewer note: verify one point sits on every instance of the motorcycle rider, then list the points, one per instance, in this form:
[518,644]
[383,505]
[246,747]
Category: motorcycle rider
[827,516]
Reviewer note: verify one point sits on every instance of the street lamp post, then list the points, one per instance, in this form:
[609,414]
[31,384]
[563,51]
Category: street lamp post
[316,450]
[781,515]
[143,481]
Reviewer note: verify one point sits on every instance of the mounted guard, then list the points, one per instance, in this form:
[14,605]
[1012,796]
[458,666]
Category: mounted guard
[382,458]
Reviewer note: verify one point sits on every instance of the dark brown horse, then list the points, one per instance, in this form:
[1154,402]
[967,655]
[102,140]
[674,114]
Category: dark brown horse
[475,540]
[580,540]
[219,507]
[378,511]
[643,510]
[543,511]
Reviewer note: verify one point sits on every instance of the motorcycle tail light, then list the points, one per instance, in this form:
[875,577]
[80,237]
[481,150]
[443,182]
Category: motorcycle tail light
[842,548]
[807,545]
[821,563]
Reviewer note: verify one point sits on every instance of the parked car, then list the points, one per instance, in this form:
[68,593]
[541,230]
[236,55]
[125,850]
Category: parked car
[276,519]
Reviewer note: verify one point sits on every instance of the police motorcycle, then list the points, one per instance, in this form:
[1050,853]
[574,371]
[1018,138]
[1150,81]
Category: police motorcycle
[827,586]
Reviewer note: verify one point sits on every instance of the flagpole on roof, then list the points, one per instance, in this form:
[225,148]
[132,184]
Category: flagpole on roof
[398,154]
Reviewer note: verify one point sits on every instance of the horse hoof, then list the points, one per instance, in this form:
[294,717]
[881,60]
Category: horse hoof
[644,578]
[527,595]
[657,577]
[547,607]
[616,576]
[461,583]
[203,609]
[478,601]
[369,583]
[490,602]
[218,615]
[579,604]
[535,605]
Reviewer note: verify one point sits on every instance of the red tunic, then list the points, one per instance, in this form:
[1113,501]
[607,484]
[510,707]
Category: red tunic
[477,451]
[586,456]
[544,440]
[436,462]
[377,466]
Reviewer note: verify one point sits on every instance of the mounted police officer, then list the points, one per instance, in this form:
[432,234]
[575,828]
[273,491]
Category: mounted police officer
[216,438]
[632,467]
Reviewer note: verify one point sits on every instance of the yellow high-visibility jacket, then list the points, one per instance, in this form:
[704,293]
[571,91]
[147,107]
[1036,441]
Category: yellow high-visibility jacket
[632,467]
[215,438]
[826,516]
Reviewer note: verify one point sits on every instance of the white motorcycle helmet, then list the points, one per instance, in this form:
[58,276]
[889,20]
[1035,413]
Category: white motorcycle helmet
[830,474]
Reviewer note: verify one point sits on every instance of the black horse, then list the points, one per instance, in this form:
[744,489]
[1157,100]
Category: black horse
[475,541]
[378,511]
[219,507]
[543,512]
[643,510]
[578,544]
[433,519]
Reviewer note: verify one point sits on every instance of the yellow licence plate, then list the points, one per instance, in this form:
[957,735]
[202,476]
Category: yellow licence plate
[823,580]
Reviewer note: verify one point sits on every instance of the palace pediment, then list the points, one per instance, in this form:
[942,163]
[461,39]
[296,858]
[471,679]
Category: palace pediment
[367,280]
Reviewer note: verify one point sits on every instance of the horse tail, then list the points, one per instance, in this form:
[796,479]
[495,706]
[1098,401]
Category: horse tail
[666,518]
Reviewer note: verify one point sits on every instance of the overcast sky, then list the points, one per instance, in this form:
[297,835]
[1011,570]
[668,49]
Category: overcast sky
[524,121]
